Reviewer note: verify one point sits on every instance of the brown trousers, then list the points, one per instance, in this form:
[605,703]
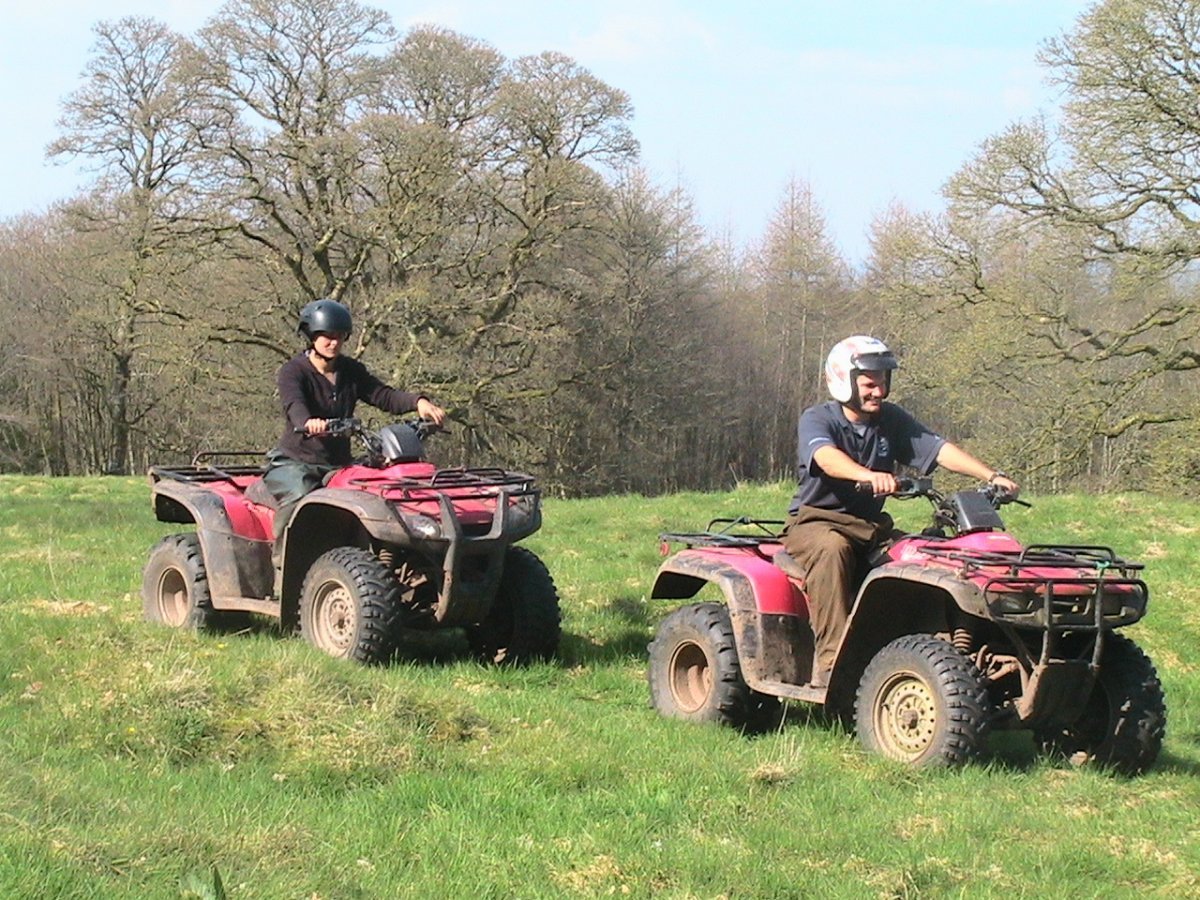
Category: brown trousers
[833,548]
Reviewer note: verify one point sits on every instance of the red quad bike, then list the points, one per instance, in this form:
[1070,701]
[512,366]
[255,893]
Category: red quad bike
[954,632]
[390,543]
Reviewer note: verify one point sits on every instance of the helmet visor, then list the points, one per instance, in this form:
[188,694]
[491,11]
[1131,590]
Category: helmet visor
[875,362]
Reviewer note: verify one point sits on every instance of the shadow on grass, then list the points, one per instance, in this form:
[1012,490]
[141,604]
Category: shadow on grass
[419,646]
[1018,751]
[1176,765]
[1012,751]
[1009,752]
[448,645]
[630,610]
[578,649]
[433,648]
[623,644]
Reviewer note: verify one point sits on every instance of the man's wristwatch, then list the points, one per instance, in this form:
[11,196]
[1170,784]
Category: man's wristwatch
[996,473]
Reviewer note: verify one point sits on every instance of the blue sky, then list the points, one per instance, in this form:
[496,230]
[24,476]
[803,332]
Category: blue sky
[868,101]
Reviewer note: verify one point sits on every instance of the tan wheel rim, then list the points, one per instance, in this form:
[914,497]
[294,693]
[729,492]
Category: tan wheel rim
[906,716]
[691,676]
[335,617]
[173,599]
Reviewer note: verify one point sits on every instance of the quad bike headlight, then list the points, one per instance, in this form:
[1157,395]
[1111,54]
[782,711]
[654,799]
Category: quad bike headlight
[525,506]
[423,527]
[1017,603]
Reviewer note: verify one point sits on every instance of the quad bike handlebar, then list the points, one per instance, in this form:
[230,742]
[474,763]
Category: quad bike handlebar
[957,512]
[907,488]
[353,425]
[403,440]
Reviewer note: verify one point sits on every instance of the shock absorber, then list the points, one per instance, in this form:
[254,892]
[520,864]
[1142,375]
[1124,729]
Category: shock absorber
[963,640]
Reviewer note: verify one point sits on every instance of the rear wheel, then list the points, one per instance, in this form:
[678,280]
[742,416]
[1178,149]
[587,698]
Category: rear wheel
[1123,724]
[922,702]
[523,623]
[175,585]
[349,604]
[695,674]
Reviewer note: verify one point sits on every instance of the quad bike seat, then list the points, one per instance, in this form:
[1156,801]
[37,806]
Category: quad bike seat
[257,493]
[783,560]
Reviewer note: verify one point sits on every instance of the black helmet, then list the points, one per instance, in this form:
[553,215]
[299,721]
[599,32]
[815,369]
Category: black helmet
[326,316]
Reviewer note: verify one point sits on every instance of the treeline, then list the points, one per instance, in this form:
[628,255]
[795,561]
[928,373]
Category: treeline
[486,221]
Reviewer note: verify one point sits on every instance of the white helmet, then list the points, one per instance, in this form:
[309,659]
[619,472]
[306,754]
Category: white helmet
[860,353]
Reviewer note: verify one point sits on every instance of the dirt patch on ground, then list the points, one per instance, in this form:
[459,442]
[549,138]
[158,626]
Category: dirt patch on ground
[68,607]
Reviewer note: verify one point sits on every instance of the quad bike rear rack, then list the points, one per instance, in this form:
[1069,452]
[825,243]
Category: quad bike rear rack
[725,536]
[207,474]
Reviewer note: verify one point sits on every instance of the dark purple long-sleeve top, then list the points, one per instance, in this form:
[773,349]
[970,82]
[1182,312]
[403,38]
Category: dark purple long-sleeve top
[307,394]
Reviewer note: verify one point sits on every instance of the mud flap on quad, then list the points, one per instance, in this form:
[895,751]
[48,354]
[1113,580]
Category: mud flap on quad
[1056,692]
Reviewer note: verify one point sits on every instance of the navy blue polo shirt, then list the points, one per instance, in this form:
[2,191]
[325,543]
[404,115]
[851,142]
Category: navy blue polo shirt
[892,437]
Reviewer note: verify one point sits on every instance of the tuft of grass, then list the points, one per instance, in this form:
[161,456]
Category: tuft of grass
[143,761]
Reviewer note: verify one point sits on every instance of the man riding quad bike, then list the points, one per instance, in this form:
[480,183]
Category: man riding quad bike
[950,636]
[954,632]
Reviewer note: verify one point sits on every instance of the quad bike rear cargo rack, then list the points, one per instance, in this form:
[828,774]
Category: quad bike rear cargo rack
[725,536]
[201,473]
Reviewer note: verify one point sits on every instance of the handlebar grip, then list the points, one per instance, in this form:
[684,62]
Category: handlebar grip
[903,486]
[333,428]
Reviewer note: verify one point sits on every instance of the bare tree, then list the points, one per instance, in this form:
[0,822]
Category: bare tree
[284,84]
[800,281]
[130,120]
[1119,174]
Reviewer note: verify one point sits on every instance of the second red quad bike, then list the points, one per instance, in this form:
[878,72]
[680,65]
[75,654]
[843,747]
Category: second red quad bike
[389,544]
[954,632]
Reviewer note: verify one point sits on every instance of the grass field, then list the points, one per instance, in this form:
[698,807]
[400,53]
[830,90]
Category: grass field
[146,762]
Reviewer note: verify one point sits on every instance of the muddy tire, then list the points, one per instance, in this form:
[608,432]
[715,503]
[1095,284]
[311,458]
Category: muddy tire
[1123,724]
[523,624]
[694,672]
[922,702]
[349,605]
[175,585]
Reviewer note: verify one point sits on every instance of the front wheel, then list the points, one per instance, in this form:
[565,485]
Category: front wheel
[175,585]
[523,623]
[922,702]
[1123,723]
[348,605]
[695,674]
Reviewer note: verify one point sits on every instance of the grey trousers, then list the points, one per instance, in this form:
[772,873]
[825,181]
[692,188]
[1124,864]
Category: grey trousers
[289,481]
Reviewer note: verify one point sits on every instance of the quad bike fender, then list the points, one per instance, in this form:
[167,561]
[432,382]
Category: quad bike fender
[324,519]
[370,512]
[768,612]
[749,582]
[897,599]
[237,564]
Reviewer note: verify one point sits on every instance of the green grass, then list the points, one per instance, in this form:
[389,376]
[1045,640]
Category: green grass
[139,760]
